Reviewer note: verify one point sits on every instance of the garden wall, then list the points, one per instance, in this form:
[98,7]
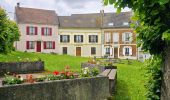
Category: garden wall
[89,65]
[21,67]
[96,88]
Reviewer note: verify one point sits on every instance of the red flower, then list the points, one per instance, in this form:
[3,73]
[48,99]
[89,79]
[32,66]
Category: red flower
[56,72]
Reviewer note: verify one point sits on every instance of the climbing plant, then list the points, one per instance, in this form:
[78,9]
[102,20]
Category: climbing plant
[9,33]
[151,21]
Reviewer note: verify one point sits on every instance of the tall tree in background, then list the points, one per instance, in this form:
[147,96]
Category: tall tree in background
[153,36]
[9,33]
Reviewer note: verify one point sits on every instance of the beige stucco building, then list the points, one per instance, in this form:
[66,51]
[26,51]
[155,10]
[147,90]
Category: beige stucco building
[84,48]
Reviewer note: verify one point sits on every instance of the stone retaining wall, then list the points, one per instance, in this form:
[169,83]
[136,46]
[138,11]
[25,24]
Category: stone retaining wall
[96,88]
[21,67]
[90,66]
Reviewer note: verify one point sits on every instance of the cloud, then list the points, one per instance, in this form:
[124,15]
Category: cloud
[62,7]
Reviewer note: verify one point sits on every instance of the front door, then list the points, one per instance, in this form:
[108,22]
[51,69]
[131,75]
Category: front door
[64,50]
[78,51]
[38,46]
[115,52]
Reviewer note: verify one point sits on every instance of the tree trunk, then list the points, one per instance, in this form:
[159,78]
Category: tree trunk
[165,86]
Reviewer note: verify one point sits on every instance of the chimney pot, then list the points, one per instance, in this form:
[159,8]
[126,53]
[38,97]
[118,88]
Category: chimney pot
[18,4]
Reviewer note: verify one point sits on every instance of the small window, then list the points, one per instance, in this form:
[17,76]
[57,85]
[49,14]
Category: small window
[93,38]
[32,30]
[108,51]
[47,31]
[127,36]
[107,37]
[127,51]
[49,45]
[64,50]
[110,24]
[78,38]
[125,23]
[31,44]
[93,50]
[64,38]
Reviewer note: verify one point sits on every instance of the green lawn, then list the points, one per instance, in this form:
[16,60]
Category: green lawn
[52,61]
[130,83]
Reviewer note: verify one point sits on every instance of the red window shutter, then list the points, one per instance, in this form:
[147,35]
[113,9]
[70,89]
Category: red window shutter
[53,44]
[44,44]
[27,30]
[42,31]
[36,30]
[50,31]
[27,44]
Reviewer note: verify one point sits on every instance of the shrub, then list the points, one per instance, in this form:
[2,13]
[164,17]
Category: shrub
[9,80]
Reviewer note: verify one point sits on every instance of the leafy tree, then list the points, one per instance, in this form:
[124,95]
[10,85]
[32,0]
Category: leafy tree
[9,33]
[153,34]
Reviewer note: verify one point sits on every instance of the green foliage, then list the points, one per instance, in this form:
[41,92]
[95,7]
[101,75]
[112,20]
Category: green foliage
[9,33]
[52,77]
[94,71]
[153,18]
[153,74]
[10,80]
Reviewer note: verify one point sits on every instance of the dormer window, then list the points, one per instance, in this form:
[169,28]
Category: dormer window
[125,23]
[110,24]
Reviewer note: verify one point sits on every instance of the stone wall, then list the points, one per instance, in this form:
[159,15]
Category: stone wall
[90,66]
[21,67]
[96,88]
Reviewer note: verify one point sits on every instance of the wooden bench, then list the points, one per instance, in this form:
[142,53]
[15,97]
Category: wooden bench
[112,74]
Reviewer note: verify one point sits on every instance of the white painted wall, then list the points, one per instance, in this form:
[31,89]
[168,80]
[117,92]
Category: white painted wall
[21,44]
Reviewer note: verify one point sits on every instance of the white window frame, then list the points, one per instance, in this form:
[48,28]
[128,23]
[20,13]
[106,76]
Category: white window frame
[116,40]
[49,45]
[93,39]
[31,30]
[129,48]
[107,37]
[46,31]
[31,45]
[65,38]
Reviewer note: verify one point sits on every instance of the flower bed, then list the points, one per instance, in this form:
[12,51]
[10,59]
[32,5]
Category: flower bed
[67,73]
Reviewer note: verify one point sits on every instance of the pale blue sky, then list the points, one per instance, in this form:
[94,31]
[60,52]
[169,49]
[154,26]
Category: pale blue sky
[62,7]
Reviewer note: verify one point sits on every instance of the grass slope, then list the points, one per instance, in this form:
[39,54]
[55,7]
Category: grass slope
[130,83]
[52,62]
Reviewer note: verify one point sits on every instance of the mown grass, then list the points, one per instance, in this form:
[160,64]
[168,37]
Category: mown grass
[52,61]
[130,81]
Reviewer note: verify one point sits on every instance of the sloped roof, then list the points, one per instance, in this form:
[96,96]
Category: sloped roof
[95,20]
[80,21]
[36,16]
[116,20]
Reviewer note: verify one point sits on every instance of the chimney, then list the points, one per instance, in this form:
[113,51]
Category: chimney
[18,4]
[101,15]
[102,12]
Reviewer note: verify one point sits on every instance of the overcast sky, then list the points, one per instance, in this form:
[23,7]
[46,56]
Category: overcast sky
[62,7]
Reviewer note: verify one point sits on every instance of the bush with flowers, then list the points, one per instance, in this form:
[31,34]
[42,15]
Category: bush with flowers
[86,72]
[56,75]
